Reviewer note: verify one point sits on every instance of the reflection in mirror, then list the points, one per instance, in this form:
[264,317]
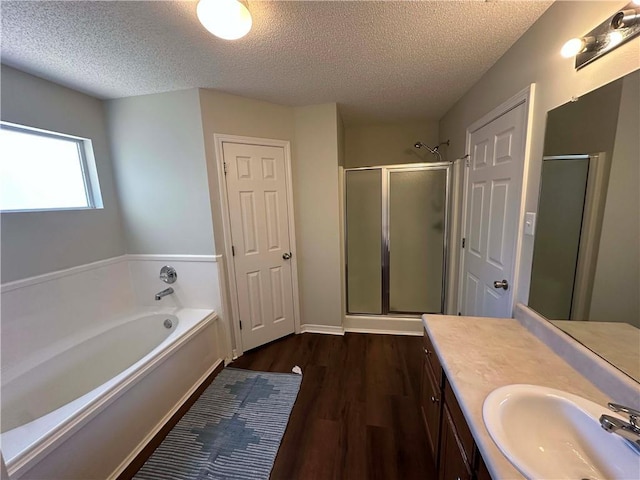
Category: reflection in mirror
[586,262]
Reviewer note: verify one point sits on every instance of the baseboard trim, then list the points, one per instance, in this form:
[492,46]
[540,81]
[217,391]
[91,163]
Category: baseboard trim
[324,329]
[383,325]
[130,466]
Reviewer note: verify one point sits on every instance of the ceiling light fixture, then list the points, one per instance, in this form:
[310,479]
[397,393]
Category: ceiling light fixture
[619,28]
[227,19]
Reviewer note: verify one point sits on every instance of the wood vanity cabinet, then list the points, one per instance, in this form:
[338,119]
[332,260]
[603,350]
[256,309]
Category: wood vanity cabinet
[430,398]
[451,443]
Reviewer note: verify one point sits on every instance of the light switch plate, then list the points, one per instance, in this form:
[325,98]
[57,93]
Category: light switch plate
[529,223]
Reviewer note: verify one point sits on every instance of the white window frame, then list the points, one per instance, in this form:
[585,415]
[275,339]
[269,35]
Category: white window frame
[87,166]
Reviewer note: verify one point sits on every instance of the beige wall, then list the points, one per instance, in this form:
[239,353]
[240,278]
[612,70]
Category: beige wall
[314,136]
[234,115]
[159,162]
[616,286]
[535,58]
[34,243]
[317,206]
[389,143]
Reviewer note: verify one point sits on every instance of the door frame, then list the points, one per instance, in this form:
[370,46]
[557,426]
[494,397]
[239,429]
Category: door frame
[234,312]
[525,96]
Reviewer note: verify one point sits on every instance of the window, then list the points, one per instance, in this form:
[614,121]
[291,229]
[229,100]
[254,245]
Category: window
[42,170]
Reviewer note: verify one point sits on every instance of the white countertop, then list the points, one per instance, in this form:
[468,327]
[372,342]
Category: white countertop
[481,354]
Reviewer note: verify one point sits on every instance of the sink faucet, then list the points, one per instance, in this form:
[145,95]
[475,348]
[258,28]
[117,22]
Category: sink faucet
[164,293]
[630,430]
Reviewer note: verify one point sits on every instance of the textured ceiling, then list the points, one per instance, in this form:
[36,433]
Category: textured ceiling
[381,61]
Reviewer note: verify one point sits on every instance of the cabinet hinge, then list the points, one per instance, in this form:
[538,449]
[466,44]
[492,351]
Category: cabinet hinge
[224,167]
[463,241]
[240,324]
[233,251]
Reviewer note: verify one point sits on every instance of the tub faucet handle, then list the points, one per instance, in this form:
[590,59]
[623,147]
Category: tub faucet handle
[168,274]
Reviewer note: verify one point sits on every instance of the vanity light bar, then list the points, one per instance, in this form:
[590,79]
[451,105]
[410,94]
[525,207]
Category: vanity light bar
[619,28]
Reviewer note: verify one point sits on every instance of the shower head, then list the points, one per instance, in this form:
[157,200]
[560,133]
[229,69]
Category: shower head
[434,150]
[419,144]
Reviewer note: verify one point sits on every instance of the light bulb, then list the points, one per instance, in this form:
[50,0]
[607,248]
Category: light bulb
[615,38]
[227,19]
[572,47]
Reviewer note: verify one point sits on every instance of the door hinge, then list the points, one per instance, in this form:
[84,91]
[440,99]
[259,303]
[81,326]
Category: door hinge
[463,241]
[224,167]
[233,251]
[240,324]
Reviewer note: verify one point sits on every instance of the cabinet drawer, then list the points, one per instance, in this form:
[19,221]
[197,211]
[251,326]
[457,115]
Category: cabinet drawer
[431,403]
[461,427]
[432,358]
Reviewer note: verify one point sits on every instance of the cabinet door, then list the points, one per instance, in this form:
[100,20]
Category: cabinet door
[453,465]
[431,407]
[463,433]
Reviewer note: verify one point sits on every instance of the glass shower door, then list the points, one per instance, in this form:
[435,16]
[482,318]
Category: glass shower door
[364,241]
[416,239]
[395,239]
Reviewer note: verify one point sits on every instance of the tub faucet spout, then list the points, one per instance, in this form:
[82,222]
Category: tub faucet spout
[164,293]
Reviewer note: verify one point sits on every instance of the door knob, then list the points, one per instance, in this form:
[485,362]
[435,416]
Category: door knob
[286,256]
[501,284]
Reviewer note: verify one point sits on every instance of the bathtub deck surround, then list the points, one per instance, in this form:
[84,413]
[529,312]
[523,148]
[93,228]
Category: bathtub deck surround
[107,365]
[479,355]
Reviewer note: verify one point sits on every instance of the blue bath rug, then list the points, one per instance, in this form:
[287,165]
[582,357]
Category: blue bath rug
[233,431]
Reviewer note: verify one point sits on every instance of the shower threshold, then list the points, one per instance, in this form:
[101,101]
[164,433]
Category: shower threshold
[384,324]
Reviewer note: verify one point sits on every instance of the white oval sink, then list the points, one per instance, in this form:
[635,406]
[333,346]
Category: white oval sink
[550,434]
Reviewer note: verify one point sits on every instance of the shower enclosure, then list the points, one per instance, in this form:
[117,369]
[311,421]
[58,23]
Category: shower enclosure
[396,221]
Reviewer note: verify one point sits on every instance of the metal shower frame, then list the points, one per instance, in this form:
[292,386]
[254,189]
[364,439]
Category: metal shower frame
[385,173]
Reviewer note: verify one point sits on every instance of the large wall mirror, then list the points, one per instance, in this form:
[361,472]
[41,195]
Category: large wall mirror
[585,275]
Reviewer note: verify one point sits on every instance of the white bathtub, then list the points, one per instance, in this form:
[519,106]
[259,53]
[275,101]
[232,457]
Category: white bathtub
[53,394]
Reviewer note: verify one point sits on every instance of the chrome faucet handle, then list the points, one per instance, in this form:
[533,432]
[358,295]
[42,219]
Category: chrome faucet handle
[633,414]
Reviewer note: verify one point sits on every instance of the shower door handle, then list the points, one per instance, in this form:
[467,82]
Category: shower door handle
[286,256]
[501,284]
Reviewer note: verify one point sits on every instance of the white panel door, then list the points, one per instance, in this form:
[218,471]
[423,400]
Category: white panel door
[494,187]
[257,196]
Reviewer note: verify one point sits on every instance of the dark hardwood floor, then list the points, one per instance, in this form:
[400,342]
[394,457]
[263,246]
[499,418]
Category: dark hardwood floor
[357,415]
